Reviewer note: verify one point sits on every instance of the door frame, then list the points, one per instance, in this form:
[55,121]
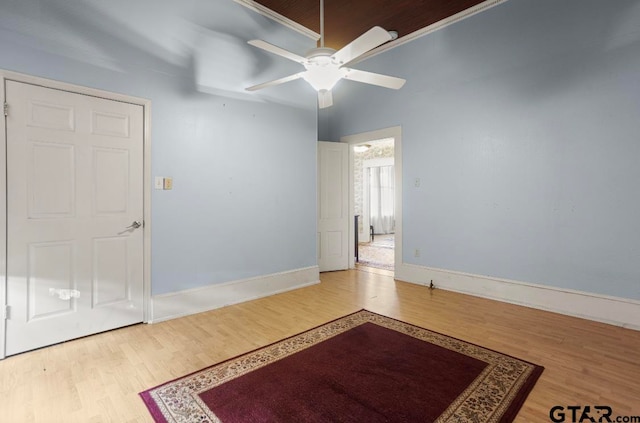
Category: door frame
[49,83]
[394,132]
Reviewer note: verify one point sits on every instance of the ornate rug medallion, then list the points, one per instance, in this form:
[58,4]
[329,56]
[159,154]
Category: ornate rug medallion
[361,367]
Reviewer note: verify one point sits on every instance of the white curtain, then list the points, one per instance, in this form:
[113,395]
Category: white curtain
[382,199]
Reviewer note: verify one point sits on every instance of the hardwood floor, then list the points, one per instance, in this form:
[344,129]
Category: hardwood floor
[97,379]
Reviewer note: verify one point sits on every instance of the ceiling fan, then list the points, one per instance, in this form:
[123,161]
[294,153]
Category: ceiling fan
[326,66]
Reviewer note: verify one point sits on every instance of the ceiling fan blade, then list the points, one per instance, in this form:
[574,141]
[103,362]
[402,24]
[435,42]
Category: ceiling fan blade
[367,41]
[276,82]
[374,79]
[277,50]
[325,99]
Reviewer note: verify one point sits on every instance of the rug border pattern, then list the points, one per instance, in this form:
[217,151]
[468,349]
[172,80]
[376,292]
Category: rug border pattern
[489,398]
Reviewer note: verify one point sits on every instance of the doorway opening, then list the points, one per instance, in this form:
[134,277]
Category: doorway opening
[392,133]
[374,203]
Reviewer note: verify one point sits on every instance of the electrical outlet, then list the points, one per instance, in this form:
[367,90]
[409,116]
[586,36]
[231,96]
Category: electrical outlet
[168,183]
[416,252]
[416,183]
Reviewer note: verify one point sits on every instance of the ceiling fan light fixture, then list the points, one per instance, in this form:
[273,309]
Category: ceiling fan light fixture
[323,77]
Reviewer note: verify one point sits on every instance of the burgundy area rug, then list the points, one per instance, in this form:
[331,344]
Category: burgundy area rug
[363,367]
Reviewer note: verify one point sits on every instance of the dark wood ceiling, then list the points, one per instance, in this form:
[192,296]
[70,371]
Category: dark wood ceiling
[345,20]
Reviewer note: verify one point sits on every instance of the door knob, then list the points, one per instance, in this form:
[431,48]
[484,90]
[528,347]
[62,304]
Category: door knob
[135,225]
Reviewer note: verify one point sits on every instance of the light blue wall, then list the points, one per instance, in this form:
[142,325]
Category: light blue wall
[324,120]
[243,202]
[523,124]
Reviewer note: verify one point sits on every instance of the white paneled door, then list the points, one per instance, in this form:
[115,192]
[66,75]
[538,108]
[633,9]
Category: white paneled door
[333,206]
[74,212]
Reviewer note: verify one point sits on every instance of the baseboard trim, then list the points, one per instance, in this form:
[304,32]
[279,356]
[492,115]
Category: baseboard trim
[198,300]
[601,308]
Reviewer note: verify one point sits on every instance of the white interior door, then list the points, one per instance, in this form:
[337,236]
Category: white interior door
[333,206]
[74,191]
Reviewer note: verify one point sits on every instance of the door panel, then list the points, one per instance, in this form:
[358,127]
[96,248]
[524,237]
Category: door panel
[110,181]
[110,278]
[110,124]
[51,180]
[333,198]
[75,183]
[50,116]
[335,241]
[50,269]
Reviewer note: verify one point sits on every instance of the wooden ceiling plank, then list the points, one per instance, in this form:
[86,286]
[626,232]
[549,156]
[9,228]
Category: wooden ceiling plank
[345,20]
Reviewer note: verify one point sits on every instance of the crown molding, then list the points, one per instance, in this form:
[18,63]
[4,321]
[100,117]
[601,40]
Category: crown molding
[441,24]
[265,11]
[478,8]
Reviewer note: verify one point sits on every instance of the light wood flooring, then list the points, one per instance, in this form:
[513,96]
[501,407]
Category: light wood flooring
[97,379]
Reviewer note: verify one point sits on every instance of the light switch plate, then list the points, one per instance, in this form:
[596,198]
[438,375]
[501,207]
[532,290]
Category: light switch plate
[159,182]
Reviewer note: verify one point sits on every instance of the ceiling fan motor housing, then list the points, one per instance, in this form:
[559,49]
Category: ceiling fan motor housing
[320,52]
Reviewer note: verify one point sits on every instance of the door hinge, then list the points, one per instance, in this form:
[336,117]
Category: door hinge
[5,312]
[6,109]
